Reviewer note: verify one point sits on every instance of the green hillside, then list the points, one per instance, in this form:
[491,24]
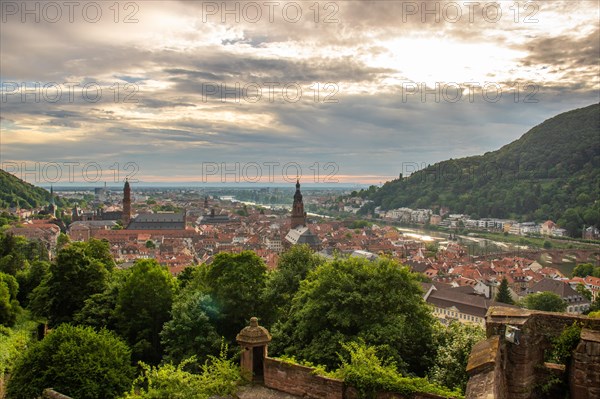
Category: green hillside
[13,190]
[551,172]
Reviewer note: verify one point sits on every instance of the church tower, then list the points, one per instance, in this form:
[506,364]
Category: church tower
[126,204]
[298,214]
[52,206]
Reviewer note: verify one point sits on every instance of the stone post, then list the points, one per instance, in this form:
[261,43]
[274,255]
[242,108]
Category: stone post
[253,341]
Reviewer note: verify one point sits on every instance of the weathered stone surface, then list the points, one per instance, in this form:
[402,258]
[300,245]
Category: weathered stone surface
[49,393]
[584,380]
[484,355]
[521,366]
[301,381]
[253,334]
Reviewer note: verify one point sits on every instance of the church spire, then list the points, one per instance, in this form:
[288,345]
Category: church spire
[298,214]
[52,205]
[126,204]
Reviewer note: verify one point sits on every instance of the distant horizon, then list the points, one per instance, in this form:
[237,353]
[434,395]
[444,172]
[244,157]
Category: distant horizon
[192,185]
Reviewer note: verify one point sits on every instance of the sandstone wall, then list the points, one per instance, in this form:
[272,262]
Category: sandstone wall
[519,367]
[584,379]
[300,380]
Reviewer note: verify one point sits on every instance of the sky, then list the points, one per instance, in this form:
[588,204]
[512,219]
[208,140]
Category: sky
[270,91]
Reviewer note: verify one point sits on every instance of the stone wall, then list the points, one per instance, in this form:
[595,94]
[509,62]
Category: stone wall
[584,379]
[300,380]
[49,393]
[485,371]
[511,370]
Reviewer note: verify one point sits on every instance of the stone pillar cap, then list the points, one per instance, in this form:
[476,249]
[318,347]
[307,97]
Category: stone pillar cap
[253,334]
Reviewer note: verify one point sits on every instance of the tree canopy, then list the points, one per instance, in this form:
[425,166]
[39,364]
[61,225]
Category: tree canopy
[191,331]
[76,361]
[282,284]
[9,306]
[73,277]
[143,306]
[235,282]
[546,301]
[347,299]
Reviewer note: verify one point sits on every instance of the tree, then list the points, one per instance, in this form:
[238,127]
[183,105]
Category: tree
[235,282]
[143,306]
[99,250]
[191,329]
[73,278]
[9,306]
[348,299]
[62,241]
[31,278]
[586,269]
[99,310]
[188,275]
[76,361]
[503,294]
[584,292]
[282,283]
[546,301]
[454,348]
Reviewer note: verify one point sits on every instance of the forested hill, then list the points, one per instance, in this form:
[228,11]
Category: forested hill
[551,172]
[13,189]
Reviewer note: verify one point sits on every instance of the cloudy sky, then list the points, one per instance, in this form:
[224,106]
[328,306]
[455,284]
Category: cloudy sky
[360,91]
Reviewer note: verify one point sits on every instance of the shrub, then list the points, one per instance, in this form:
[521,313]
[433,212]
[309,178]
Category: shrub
[13,343]
[565,343]
[76,361]
[219,376]
[369,374]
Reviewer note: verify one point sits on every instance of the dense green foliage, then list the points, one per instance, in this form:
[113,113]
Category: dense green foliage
[454,347]
[76,361]
[14,191]
[31,277]
[219,376]
[9,306]
[143,306]
[282,284]
[13,342]
[348,299]
[564,344]
[586,269]
[99,310]
[313,307]
[80,270]
[16,252]
[503,294]
[551,172]
[546,301]
[191,331]
[235,283]
[363,369]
